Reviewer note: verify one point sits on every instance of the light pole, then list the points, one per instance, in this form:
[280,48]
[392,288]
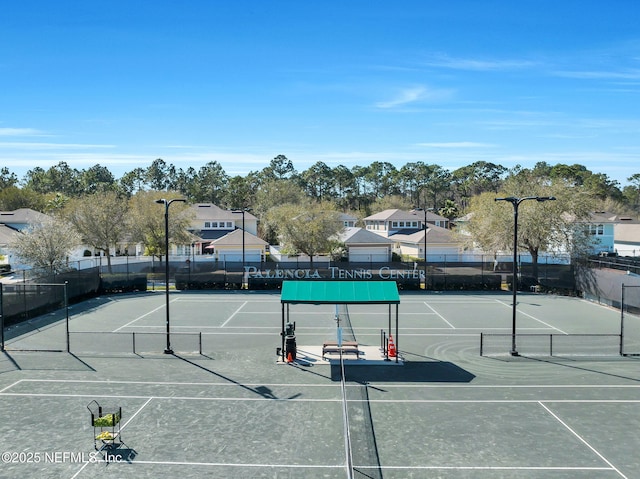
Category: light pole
[243,210]
[166,204]
[425,242]
[514,283]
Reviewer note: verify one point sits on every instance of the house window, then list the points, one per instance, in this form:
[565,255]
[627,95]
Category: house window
[597,230]
[207,224]
[229,224]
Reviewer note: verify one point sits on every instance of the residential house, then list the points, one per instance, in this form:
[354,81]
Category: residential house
[21,218]
[626,237]
[7,233]
[601,226]
[406,230]
[365,246]
[11,222]
[349,221]
[239,246]
[211,223]
[439,243]
[390,222]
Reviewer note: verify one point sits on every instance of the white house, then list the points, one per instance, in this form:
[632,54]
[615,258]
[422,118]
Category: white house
[365,246]
[237,245]
[211,223]
[390,222]
[406,230]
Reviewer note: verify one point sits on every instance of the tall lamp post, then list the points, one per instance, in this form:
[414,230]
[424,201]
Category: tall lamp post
[425,242]
[166,204]
[514,283]
[243,210]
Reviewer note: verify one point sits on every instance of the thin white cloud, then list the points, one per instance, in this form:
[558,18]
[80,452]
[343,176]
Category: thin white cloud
[457,144]
[631,74]
[419,94]
[445,61]
[48,146]
[20,132]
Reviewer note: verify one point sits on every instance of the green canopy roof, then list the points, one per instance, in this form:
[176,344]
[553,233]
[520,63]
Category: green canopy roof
[340,292]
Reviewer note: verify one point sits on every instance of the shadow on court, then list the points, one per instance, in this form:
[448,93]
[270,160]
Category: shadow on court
[44,361]
[410,372]
[565,363]
[263,391]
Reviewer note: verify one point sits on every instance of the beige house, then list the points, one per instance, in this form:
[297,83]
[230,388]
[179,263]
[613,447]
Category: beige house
[238,246]
[366,247]
[211,223]
[406,230]
[626,236]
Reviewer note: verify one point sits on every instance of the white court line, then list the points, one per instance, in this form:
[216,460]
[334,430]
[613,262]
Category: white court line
[439,315]
[391,385]
[490,468]
[335,400]
[140,317]
[582,440]
[136,413]
[171,398]
[341,466]
[233,464]
[532,317]
[176,383]
[234,313]
[10,386]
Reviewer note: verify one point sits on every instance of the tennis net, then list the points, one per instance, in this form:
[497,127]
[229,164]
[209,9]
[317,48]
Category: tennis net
[497,344]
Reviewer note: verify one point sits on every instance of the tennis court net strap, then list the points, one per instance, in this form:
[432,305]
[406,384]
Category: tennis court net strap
[342,312]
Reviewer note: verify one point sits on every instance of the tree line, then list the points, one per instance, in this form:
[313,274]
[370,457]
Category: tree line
[299,210]
[363,189]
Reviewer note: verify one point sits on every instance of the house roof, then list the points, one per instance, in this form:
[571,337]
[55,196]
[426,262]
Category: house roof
[7,233]
[209,235]
[347,217]
[209,211]
[354,235]
[435,235]
[235,238]
[400,215]
[607,217]
[21,216]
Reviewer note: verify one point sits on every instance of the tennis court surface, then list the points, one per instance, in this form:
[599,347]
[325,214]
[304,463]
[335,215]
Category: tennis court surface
[223,406]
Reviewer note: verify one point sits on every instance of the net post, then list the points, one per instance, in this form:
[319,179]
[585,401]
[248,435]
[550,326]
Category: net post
[481,342]
[1,318]
[551,344]
[200,342]
[622,320]
[66,307]
[133,340]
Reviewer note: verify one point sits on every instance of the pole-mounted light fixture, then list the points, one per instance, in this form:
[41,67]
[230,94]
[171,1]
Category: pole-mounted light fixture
[243,211]
[514,283]
[426,229]
[166,204]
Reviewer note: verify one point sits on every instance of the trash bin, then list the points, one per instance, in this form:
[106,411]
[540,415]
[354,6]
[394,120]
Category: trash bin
[290,347]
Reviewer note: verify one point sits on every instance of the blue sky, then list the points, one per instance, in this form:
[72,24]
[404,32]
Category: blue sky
[123,82]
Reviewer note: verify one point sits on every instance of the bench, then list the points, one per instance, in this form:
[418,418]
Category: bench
[348,347]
